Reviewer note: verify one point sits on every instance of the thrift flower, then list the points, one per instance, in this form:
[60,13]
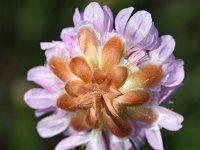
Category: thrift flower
[104,83]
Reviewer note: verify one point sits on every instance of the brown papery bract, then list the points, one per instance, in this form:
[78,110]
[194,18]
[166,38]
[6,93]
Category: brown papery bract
[143,114]
[60,68]
[78,120]
[88,44]
[148,75]
[81,69]
[112,53]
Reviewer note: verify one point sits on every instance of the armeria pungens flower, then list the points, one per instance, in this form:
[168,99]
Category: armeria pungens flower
[104,84]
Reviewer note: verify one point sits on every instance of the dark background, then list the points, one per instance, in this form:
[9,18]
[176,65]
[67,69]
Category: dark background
[25,23]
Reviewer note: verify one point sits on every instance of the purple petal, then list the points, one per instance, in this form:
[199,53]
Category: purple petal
[138,26]
[39,98]
[44,77]
[169,119]
[166,92]
[77,18]
[109,12]
[55,48]
[122,19]
[150,40]
[67,31]
[165,49]
[52,125]
[46,45]
[97,141]
[138,57]
[108,19]
[174,73]
[95,14]
[121,145]
[40,112]
[154,138]
[72,141]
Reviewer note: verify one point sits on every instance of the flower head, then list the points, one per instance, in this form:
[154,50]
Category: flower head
[104,84]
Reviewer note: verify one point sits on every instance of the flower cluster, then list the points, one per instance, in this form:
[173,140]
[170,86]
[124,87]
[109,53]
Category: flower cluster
[105,81]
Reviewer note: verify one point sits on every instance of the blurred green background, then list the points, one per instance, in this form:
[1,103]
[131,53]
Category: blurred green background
[25,23]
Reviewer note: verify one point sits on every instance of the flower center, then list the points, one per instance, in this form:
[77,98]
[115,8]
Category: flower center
[104,94]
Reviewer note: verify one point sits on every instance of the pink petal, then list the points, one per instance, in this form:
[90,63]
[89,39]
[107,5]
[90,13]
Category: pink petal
[77,18]
[39,98]
[40,112]
[122,144]
[150,40]
[122,19]
[44,77]
[97,142]
[67,31]
[138,57]
[95,15]
[46,45]
[139,26]
[52,125]
[73,141]
[166,92]
[108,19]
[109,12]
[169,119]
[54,48]
[154,138]
[165,49]
[175,74]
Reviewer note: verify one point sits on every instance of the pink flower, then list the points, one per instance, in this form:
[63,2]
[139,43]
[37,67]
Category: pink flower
[103,84]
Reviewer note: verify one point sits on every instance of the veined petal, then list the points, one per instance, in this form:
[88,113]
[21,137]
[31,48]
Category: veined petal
[138,57]
[77,18]
[122,19]
[67,31]
[52,125]
[73,141]
[97,142]
[39,98]
[169,119]
[175,73]
[40,112]
[149,41]
[121,144]
[154,138]
[95,14]
[46,45]
[44,77]
[167,45]
[108,22]
[166,92]
[55,48]
[138,26]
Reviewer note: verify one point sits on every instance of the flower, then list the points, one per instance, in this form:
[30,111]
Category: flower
[103,85]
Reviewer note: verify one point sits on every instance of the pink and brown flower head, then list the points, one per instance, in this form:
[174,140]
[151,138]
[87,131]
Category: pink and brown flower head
[104,82]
